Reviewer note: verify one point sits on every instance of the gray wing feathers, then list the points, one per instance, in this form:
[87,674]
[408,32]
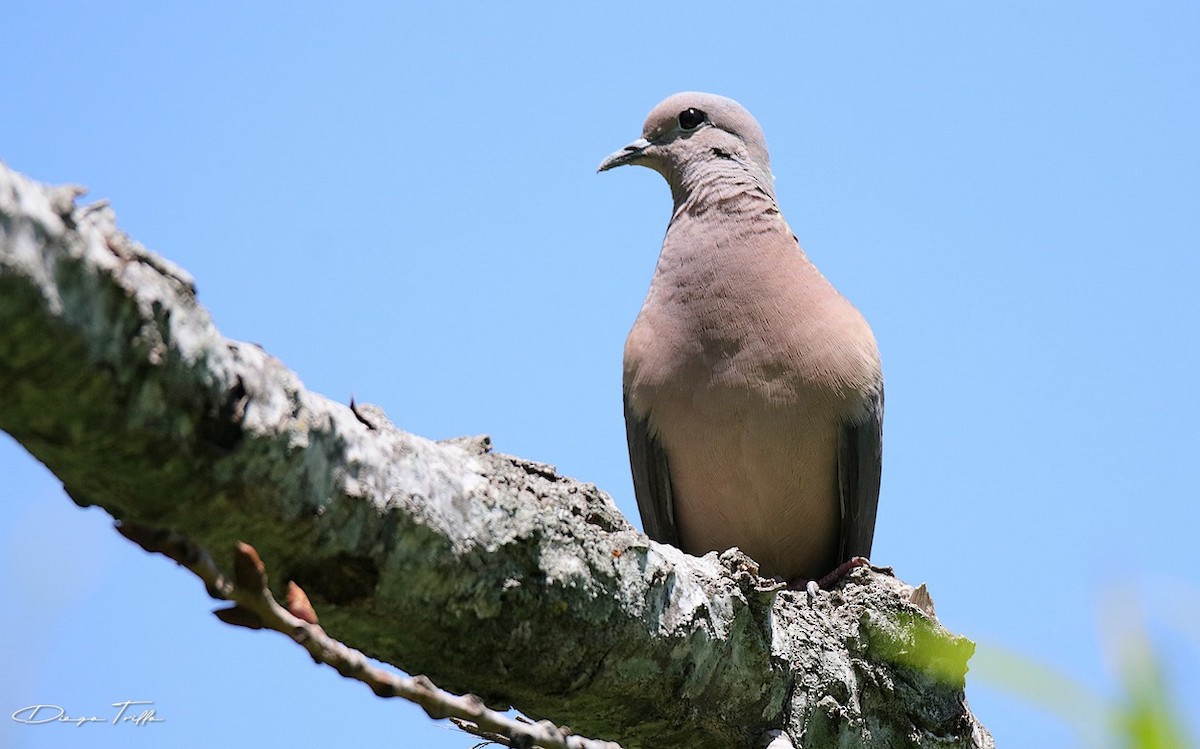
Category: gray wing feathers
[860,456]
[651,481]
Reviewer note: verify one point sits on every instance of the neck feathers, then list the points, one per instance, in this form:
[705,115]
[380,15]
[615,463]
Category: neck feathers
[724,184]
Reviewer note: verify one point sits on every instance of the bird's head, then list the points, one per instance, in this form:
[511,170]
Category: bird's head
[690,135]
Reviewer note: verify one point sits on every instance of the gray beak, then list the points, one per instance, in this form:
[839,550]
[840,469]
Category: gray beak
[627,155]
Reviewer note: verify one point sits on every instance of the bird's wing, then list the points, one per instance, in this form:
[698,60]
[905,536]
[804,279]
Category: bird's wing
[651,480]
[860,455]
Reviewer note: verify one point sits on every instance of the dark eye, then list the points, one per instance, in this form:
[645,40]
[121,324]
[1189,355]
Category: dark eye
[691,118]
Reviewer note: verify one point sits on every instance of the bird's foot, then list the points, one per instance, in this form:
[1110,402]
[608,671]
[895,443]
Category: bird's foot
[812,587]
[835,577]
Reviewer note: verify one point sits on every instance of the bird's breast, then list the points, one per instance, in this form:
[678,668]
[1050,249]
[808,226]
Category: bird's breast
[747,363]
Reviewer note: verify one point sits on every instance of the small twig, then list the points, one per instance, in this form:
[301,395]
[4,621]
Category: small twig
[488,737]
[255,607]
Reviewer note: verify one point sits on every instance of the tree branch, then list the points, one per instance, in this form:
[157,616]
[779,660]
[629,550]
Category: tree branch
[256,608]
[489,573]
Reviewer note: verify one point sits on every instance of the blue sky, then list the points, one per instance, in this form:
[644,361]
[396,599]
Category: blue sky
[402,205]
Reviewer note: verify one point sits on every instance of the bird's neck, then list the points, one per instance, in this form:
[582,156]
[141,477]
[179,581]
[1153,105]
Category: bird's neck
[728,186]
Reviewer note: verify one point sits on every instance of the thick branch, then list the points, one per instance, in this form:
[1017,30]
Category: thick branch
[488,573]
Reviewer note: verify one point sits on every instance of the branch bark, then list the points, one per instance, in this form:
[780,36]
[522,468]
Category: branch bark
[486,572]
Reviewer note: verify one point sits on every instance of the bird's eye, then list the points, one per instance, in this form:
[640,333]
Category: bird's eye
[691,118]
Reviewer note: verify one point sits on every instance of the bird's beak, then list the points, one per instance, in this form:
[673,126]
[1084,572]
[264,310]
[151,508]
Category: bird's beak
[627,155]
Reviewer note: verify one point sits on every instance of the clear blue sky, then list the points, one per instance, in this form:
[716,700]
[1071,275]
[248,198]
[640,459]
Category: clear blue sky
[403,206]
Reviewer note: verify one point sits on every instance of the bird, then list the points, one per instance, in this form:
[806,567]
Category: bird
[752,388]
